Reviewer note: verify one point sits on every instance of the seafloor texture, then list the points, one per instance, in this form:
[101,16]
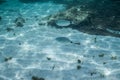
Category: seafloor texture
[30,51]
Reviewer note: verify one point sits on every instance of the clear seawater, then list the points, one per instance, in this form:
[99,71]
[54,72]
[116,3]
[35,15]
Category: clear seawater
[33,50]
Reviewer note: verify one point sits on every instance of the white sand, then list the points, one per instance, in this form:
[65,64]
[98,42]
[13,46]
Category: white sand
[30,45]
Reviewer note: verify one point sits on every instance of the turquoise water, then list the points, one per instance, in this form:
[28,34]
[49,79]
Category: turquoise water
[31,50]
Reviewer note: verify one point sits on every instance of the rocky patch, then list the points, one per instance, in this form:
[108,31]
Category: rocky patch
[19,21]
[101,20]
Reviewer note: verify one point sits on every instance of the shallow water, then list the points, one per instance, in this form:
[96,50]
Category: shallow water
[32,50]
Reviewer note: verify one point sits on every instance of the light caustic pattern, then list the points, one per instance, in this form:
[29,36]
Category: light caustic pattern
[32,50]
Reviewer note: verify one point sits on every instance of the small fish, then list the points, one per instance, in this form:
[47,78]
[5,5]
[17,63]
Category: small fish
[66,40]
[63,39]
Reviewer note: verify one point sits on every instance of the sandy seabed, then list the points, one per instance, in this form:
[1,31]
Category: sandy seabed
[32,50]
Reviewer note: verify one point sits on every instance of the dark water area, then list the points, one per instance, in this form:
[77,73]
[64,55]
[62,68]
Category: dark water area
[2,1]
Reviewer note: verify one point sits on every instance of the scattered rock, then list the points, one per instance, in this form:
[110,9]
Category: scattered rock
[78,67]
[101,55]
[7,59]
[36,78]
[92,73]
[102,75]
[104,62]
[9,29]
[48,58]
[19,21]
[79,61]
[114,57]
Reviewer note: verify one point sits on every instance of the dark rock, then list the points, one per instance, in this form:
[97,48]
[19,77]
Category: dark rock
[7,59]
[114,57]
[101,55]
[93,73]
[19,24]
[9,29]
[48,58]
[79,61]
[19,21]
[104,62]
[78,67]
[36,78]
